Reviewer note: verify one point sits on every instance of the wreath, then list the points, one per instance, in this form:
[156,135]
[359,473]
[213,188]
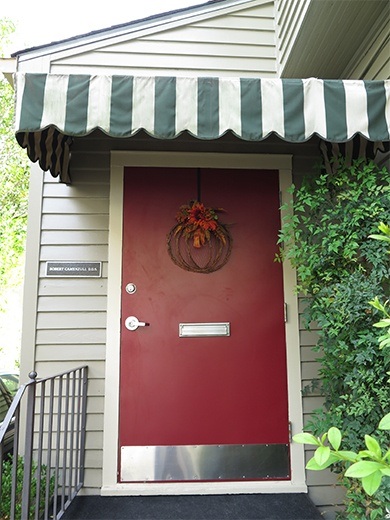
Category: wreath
[199,242]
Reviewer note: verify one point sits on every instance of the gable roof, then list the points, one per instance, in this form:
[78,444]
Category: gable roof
[52,109]
[209,7]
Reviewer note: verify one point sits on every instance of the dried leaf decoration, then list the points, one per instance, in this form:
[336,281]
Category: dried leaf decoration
[199,227]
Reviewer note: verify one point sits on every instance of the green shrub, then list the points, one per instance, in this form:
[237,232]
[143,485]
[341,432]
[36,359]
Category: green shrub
[340,271]
[5,503]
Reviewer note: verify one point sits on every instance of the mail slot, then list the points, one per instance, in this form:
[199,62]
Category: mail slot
[197,330]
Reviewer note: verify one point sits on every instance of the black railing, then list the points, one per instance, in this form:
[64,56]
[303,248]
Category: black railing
[40,480]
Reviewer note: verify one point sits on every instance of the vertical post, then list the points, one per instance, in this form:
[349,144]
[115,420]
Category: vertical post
[83,423]
[72,461]
[15,462]
[78,429]
[26,493]
[58,445]
[40,451]
[65,443]
[49,450]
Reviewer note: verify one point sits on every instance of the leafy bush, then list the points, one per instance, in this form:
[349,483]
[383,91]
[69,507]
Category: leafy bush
[340,271]
[5,503]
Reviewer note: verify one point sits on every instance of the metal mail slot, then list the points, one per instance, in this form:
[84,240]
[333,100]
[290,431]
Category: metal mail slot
[196,330]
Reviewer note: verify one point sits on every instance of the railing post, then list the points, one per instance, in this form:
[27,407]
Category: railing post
[28,454]
[84,373]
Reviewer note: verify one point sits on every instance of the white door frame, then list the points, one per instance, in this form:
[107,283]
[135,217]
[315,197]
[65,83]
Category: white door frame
[110,486]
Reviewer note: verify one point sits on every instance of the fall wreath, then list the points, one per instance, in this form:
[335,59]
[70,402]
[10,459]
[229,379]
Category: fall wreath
[199,242]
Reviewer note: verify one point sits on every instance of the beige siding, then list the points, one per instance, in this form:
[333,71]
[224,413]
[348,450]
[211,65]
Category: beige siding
[324,490]
[289,17]
[71,317]
[237,44]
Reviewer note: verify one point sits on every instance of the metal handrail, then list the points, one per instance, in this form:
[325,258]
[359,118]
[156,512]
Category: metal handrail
[54,444]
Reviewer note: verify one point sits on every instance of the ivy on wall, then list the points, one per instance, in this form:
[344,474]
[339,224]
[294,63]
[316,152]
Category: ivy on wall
[339,271]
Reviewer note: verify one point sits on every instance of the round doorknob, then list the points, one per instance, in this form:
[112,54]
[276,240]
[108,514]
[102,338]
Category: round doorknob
[132,323]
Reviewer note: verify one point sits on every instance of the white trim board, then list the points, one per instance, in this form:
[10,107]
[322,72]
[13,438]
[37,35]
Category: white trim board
[110,486]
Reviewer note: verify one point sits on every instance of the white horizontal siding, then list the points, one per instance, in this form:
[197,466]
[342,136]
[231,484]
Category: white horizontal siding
[80,205]
[174,64]
[76,301]
[73,237]
[85,287]
[147,46]
[78,353]
[73,222]
[71,318]
[74,336]
[242,43]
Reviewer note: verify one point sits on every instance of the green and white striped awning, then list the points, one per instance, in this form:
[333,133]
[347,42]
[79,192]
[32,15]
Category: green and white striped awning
[51,109]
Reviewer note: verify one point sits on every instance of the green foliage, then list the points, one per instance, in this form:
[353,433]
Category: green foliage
[7,27]
[5,503]
[14,179]
[340,271]
[383,308]
[369,465]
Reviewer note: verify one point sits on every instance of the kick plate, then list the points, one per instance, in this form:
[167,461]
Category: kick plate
[205,462]
[196,330]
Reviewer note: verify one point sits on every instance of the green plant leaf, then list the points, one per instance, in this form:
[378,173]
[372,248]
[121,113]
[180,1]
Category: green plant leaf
[373,446]
[348,455]
[385,422]
[372,482]
[363,468]
[383,323]
[334,437]
[384,341]
[313,464]
[379,237]
[321,455]
[306,438]
[378,305]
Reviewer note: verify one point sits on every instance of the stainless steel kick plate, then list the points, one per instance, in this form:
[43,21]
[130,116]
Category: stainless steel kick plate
[204,462]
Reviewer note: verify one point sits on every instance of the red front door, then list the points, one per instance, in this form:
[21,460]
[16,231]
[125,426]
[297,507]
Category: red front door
[224,391]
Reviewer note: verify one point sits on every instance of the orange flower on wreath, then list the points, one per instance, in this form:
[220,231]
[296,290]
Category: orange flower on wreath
[198,223]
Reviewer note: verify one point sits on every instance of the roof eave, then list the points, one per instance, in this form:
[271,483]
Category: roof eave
[132,26]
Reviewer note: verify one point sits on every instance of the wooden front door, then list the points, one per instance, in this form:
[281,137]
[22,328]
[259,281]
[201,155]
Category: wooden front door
[208,407]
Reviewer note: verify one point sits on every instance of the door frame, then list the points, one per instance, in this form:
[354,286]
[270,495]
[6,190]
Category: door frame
[110,485]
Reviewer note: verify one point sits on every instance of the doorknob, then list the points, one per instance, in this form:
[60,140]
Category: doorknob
[132,323]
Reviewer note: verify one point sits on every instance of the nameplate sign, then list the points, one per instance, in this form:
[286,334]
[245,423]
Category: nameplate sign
[74,269]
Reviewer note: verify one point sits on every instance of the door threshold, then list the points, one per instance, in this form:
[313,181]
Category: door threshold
[201,488]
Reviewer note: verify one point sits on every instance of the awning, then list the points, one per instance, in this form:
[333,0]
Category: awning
[51,109]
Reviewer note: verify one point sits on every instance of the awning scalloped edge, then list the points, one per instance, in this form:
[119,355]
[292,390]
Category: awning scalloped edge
[53,108]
